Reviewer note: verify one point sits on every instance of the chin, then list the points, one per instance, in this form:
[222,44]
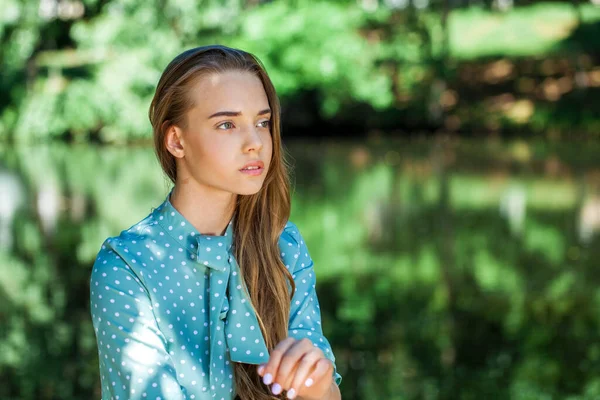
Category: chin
[249,190]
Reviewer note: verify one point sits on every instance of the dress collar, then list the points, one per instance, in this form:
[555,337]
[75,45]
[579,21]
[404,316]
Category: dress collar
[212,251]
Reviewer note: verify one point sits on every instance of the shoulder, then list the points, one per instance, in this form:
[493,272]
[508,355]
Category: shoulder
[118,253]
[294,252]
[290,237]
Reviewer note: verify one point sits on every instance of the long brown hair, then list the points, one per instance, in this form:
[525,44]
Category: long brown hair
[259,218]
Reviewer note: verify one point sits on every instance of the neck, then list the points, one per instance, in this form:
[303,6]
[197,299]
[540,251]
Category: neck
[207,209]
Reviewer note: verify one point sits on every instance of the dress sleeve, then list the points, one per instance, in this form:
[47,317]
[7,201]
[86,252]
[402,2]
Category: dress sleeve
[133,357]
[305,313]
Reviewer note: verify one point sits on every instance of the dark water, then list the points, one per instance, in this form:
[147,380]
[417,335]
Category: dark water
[446,270]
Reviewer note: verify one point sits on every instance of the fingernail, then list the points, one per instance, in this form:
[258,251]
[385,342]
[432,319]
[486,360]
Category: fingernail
[261,369]
[267,379]
[308,382]
[276,388]
[291,393]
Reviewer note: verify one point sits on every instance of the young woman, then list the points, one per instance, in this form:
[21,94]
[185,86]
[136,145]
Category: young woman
[212,295]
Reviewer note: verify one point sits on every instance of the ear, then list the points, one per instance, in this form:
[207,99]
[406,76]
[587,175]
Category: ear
[174,141]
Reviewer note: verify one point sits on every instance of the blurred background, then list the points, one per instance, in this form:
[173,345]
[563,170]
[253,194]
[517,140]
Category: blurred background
[446,167]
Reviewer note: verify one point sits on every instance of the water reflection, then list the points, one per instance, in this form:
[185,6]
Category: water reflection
[589,219]
[513,204]
[447,270]
[48,203]
[11,198]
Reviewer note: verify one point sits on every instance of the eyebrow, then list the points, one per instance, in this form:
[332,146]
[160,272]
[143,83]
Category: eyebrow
[237,113]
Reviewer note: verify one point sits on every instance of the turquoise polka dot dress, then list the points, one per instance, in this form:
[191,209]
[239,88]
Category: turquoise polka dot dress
[170,313]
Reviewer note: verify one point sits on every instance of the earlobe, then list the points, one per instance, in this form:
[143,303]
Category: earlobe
[174,141]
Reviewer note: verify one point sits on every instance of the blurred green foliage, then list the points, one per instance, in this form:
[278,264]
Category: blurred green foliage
[444,271]
[85,71]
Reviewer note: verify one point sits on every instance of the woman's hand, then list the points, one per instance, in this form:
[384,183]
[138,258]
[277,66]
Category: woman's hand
[300,368]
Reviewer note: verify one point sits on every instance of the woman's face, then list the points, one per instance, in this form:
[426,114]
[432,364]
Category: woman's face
[227,128]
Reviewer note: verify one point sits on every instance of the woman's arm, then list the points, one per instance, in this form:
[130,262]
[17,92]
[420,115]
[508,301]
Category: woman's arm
[305,312]
[302,364]
[134,362]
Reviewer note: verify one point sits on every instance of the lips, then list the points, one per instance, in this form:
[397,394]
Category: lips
[253,166]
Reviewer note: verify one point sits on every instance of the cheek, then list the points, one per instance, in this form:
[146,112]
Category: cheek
[268,141]
[209,147]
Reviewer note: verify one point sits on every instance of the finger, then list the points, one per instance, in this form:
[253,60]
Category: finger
[292,356]
[323,373]
[270,368]
[304,369]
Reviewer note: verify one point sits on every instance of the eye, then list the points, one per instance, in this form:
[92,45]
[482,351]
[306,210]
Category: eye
[227,125]
[265,123]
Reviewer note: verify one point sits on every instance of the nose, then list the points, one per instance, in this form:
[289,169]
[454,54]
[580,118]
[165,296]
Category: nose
[253,141]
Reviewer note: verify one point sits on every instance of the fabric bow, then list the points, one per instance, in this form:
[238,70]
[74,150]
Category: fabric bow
[234,327]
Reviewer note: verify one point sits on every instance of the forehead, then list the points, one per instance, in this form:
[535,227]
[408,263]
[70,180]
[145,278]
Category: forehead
[229,91]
